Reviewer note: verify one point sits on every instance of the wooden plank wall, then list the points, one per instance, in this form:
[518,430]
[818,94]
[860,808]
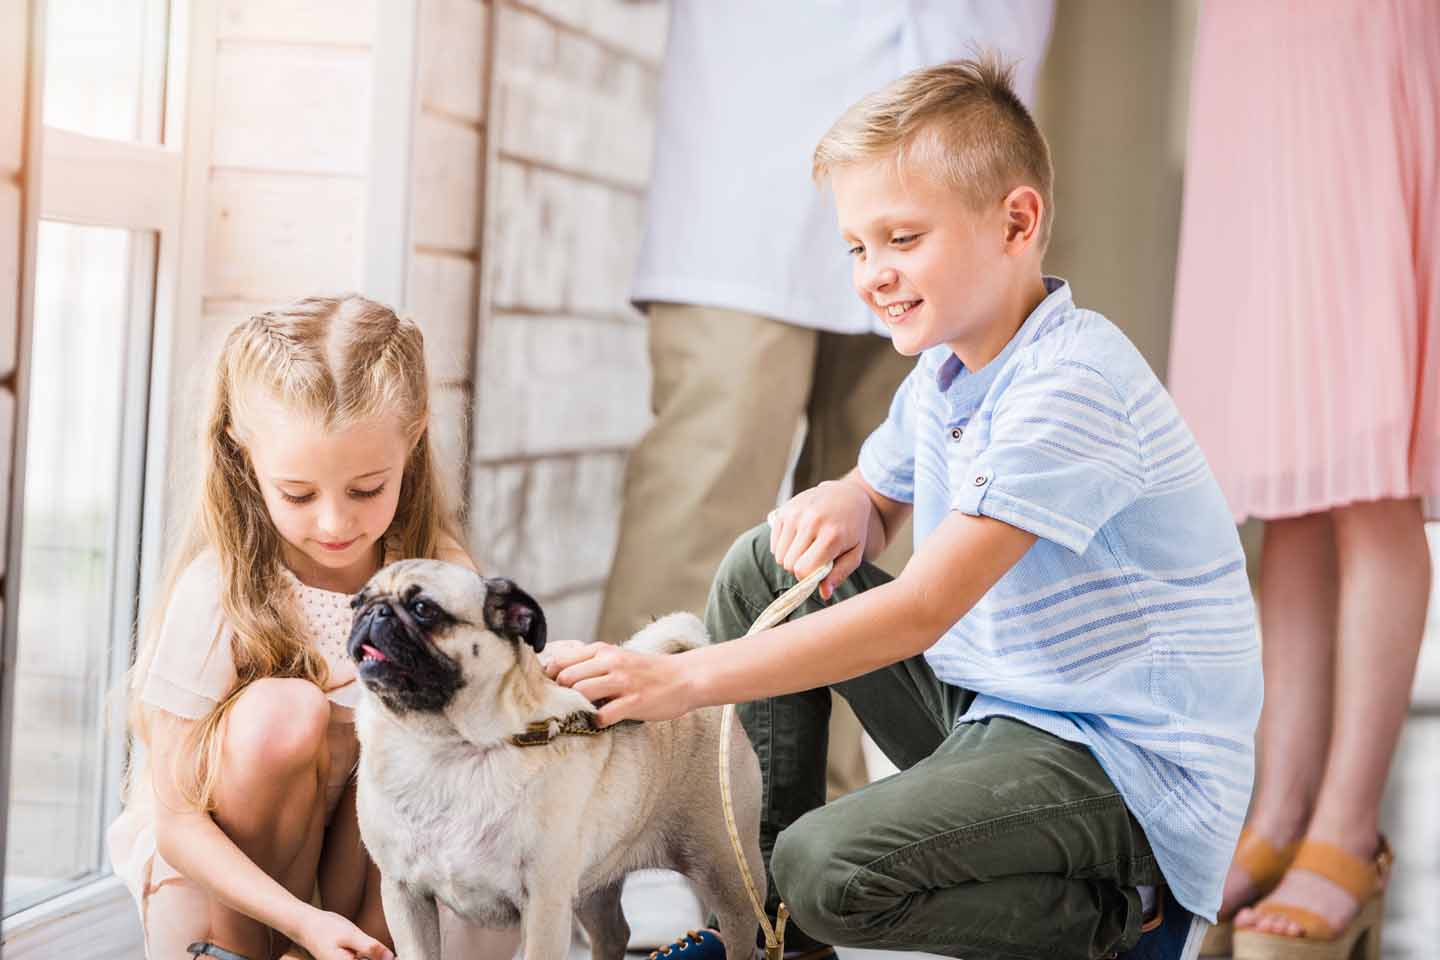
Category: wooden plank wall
[562,373]
[521,245]
[446,189]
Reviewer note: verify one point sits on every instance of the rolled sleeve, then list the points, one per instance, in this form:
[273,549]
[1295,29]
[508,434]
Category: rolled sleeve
[887,458]
[1062,460]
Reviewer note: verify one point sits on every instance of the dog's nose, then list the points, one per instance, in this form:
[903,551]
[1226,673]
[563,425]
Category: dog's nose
[382,609]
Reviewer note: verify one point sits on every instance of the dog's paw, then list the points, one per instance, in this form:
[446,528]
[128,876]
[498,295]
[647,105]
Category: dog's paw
[672,633]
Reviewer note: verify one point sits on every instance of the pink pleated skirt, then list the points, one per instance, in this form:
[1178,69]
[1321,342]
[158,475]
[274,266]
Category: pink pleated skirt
[1304,353]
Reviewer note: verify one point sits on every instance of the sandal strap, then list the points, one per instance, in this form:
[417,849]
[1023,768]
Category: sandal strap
[1312,925]
[1355,876]
[1262,860]
[203,948]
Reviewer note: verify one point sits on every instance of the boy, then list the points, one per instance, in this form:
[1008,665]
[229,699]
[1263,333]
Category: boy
[1067,672]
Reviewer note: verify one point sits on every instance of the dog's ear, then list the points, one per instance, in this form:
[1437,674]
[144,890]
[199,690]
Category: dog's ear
[513,613]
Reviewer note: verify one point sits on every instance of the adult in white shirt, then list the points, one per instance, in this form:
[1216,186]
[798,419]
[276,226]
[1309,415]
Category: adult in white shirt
[744,277]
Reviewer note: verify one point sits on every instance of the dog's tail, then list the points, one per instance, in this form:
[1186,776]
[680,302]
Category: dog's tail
[672,633]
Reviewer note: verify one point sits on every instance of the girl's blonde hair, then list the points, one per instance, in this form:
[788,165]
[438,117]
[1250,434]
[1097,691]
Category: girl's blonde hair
[335,361]
[960,122]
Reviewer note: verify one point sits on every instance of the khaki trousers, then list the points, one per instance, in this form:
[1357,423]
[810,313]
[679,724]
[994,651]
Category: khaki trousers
[728,392]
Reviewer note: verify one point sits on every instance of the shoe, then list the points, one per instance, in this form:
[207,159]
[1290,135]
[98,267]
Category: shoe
[1362,879]
[695,945]
[706,945]
[1174,933]
[1266,864]
[202,948]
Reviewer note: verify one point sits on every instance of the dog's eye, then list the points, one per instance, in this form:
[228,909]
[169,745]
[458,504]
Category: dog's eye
[423,610]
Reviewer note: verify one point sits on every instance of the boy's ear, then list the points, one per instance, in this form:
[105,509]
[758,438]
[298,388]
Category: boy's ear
[1023,212]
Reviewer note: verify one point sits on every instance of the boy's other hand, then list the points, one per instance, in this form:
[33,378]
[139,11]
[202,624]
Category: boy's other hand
[828,522]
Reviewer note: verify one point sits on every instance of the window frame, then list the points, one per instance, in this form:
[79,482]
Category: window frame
[159,188]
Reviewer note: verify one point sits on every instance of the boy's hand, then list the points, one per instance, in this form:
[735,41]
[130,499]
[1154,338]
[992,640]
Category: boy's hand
[631,685]
[828,522]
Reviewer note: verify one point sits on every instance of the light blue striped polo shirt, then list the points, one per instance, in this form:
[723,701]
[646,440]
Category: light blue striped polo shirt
[1129,625]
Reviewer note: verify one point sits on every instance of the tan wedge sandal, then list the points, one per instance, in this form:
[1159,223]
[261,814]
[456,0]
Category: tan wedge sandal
[1362,879]
[1266,864]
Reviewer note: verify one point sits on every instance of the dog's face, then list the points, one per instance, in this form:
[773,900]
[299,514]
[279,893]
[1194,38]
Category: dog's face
[423,627]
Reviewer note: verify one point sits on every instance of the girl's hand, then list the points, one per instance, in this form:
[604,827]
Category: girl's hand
[631,685]
[828,522]
[329,936]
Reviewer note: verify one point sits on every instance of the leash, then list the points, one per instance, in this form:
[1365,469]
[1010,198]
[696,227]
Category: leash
[782,607]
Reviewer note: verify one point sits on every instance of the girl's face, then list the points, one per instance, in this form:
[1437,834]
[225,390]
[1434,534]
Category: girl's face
[331,495]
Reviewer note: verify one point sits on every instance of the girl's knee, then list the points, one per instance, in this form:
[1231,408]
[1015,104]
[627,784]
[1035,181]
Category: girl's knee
[277,726]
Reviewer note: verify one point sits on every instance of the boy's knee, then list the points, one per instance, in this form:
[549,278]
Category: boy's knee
[277,725]
[746,555]
[743,567]
[811,878]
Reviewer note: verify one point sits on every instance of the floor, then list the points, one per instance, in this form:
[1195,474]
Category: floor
[659,909]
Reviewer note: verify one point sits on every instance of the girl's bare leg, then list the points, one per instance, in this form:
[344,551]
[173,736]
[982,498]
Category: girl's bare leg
[349,879]
[271,803]
[1384,589]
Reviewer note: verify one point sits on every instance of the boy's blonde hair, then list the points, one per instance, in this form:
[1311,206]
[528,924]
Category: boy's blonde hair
[335,361]
[960,122]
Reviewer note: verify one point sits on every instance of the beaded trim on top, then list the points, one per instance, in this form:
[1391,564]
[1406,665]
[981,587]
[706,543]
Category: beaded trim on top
[326,616]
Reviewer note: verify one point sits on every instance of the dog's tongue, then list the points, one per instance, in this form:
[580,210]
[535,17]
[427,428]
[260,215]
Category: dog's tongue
[372,653]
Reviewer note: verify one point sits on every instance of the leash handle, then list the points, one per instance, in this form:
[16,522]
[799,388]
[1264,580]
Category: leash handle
[779,609]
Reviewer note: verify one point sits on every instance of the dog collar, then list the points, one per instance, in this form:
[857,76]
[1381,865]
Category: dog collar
[542,732]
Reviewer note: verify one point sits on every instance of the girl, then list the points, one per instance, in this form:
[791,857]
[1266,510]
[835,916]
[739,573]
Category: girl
[316,470]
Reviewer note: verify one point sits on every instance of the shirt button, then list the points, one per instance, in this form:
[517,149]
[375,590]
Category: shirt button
[956,433]
[980,479]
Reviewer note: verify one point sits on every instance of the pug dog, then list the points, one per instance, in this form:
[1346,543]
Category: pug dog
[454,809]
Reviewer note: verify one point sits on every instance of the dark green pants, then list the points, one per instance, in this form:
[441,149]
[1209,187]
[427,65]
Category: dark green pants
[996,840]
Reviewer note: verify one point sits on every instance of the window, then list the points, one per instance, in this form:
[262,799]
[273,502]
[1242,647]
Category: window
[78,571]
[103,71]
[111,171]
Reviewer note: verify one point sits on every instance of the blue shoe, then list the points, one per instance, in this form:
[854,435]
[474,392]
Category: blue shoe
[706,945]
[1174,933]
[695,945]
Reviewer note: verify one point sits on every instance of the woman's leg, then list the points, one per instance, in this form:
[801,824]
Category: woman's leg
[1385,574]
[1299,581]
[271,803]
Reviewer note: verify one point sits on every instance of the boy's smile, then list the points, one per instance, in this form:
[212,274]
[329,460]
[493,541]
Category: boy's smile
[930,267]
